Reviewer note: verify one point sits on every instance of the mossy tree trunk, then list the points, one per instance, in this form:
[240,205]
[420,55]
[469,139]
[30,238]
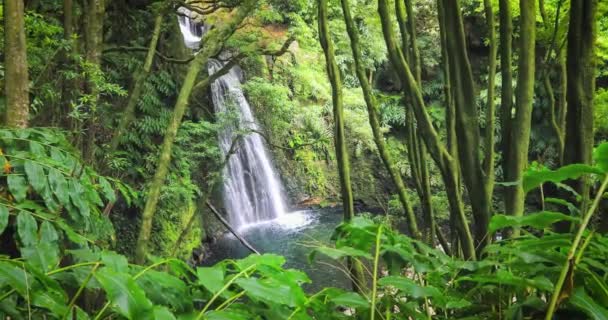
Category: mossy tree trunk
[372,110]
[489,158]
[581,87]
[140,79]
[213,41]
[506,73]
[519,140]
[445,162]
[16,81]
[416,150]
[467,122]
[333,72]
[94,12]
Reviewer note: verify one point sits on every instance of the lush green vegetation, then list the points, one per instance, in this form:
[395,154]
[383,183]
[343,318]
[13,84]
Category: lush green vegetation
[477,125]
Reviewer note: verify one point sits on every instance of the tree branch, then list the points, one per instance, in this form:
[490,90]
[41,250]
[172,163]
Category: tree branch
[144,49]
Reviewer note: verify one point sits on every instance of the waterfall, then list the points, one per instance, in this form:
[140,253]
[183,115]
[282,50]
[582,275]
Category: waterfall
[252,192]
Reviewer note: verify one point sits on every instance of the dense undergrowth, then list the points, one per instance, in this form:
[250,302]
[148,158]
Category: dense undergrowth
[63,266]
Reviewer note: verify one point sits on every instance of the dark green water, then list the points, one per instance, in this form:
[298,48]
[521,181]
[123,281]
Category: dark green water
[292,237]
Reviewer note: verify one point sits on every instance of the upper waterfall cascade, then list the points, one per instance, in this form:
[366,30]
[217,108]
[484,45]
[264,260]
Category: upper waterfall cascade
[252,191]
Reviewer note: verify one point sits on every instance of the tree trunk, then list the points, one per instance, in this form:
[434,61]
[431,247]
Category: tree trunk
[581,88]
[488,164]
[333,72]
[506,95]
[140,79]
[438,152]
[94,12]
[517,159]
[16,81]
[467,122]
[372,110]
[213,41]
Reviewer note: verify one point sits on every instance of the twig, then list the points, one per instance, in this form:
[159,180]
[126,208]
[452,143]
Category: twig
[229,227]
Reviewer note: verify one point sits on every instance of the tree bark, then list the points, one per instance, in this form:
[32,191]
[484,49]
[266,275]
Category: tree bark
[488,164]
[581,88]
[372,110]
[506,95]
[437,150]
[129,114]
[517,159]
[467,123]
[333,72]
[214,41]
[16,83]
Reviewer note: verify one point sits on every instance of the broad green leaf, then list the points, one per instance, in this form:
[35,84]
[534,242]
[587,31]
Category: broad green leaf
[59,186]
[409,287]
[162,313]
[17,186]
[600,155]
[48,233]
[228,315]
[538,220]
[534,177]
[267,259]
[51,300]
[164,289]
[4,215]
[106,188]
[35,175]
[37,149]
[212,278]
[44,256]
[582,301]
[27,228]
[78,198]
[115,261]
[351,300]
[338,253]
[128,298]
[270,291]
[15,277]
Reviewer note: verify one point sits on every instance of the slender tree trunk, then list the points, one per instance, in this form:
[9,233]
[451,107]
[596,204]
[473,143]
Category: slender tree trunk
[333,72]
[467,123]
[140,79]
[438,152]
[520,128]
[16,81]
[372,110]
[416,145]
[581,87]
[506,95]
[94,12]
[214,41]
[490,107]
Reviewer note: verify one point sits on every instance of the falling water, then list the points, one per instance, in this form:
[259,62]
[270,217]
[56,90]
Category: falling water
[252,191]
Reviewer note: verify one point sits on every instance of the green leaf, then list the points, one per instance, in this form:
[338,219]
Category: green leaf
[534,177]
[4,215]
[271,291]
[59,186]
[212,278]
[44,256]
[409,287]
[16,278]
[51,300]
[351,300]
[27,228]
[106,188]
[162,313]
[267,259]
[164,289]
[36,176]
[128,298]
[48,233]
[17,186]
[338,253]
[540,220]
[77,195]
[115,261]
[600,155]
[582,301]
[229,315]
[37,149]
